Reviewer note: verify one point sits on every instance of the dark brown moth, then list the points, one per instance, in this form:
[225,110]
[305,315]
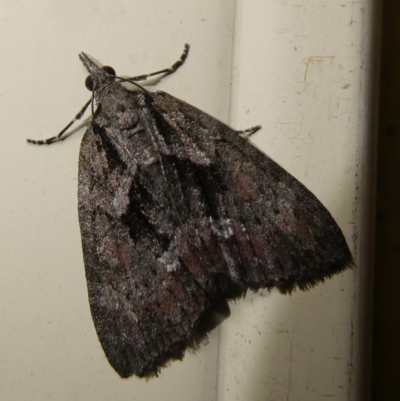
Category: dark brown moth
[180,213]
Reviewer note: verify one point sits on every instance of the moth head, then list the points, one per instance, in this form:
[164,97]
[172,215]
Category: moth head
[99,76]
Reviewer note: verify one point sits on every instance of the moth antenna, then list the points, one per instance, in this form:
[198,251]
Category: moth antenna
[60,136]
[166,71]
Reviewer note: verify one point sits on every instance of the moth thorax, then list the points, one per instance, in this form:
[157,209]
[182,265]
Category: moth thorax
[120,107]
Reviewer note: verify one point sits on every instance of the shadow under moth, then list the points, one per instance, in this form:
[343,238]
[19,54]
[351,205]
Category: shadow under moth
[179,214]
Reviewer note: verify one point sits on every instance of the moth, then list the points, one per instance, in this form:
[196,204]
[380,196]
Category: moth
[180,213]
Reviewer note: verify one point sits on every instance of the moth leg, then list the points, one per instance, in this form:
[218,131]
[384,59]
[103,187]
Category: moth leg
[166,71]
[60,136]
[246,133]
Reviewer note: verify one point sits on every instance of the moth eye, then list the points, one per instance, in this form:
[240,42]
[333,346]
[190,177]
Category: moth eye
[108,70]
[89,83]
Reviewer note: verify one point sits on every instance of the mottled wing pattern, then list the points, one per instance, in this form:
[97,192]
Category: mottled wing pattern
[145,306]
[179,212]
[250,223]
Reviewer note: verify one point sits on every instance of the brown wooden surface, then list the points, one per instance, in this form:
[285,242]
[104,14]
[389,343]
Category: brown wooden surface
[386,342]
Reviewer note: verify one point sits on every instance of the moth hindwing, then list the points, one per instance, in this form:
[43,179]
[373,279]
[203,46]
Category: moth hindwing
[180,213]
